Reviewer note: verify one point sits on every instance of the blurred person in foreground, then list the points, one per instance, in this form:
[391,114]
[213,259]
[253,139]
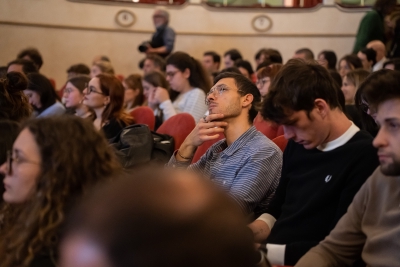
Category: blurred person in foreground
[185,221]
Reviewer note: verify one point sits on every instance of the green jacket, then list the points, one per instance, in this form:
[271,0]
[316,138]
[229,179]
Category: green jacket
[371,28]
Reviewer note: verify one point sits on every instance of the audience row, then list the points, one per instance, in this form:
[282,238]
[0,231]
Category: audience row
[67,200]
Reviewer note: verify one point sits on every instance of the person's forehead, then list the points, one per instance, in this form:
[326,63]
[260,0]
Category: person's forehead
[25,142]
[208,57]
[230,82]
[148,62]
[389,109]
[171,68]
[361,55]
[94,81]
[227,57]
[294,117]
[15,67]
[158,13]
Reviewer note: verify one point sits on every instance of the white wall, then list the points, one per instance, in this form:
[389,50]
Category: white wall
[68,32]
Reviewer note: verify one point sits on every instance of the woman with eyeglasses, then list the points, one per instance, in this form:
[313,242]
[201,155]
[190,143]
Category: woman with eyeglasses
[265,77]
[73,97]
[105,96]
[44,176]
[189,85]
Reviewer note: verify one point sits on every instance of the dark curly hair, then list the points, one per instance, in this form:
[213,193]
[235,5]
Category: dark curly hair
[13,102]
[74,158]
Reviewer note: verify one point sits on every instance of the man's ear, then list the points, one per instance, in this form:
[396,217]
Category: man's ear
[247,100]
[322,107]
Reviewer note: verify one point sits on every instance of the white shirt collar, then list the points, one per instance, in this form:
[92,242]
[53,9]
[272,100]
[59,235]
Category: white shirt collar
[341,140]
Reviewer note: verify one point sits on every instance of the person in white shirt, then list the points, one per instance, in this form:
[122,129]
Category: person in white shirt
[189,83]
[380,50]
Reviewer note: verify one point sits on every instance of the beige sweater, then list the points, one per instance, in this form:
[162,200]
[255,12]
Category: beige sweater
[371,227]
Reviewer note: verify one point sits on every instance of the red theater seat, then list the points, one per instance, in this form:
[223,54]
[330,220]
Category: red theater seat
[179,127]
[144,115]
[268,128]
[281,142]
[201,150]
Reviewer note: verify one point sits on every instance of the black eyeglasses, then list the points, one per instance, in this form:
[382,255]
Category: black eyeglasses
[171,73]
[11,159]
[92,89]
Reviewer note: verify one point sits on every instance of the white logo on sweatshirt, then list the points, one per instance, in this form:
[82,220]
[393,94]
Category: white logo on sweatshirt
[328,178]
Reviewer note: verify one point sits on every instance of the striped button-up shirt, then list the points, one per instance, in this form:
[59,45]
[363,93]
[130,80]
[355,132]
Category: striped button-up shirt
[249,169]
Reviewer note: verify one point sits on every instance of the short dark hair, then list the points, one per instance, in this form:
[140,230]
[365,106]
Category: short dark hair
[79,68]
[27,65]
[157,60]
[381,86]
[230,69]
[247,87]
[370,54]
[271,54]
[306,51]
[234,54]
[244,64]
[330,56]
[276,58]
[33,54]
[214,55]
[262,51]
[296,87]
[264,64]
[394,61]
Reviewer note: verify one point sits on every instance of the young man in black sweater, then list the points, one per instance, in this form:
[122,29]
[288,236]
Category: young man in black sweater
[326,161]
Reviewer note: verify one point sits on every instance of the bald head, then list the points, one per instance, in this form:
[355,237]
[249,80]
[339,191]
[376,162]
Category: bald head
[160,217]
[379,48]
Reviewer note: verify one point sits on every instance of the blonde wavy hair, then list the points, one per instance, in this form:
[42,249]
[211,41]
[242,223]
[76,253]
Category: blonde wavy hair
[75,157]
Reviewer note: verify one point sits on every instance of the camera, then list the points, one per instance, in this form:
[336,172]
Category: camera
[143,46]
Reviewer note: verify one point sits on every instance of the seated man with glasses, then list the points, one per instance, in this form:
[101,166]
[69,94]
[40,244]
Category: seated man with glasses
[246,164]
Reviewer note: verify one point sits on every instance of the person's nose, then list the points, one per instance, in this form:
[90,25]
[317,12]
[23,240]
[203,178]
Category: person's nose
[288,132]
